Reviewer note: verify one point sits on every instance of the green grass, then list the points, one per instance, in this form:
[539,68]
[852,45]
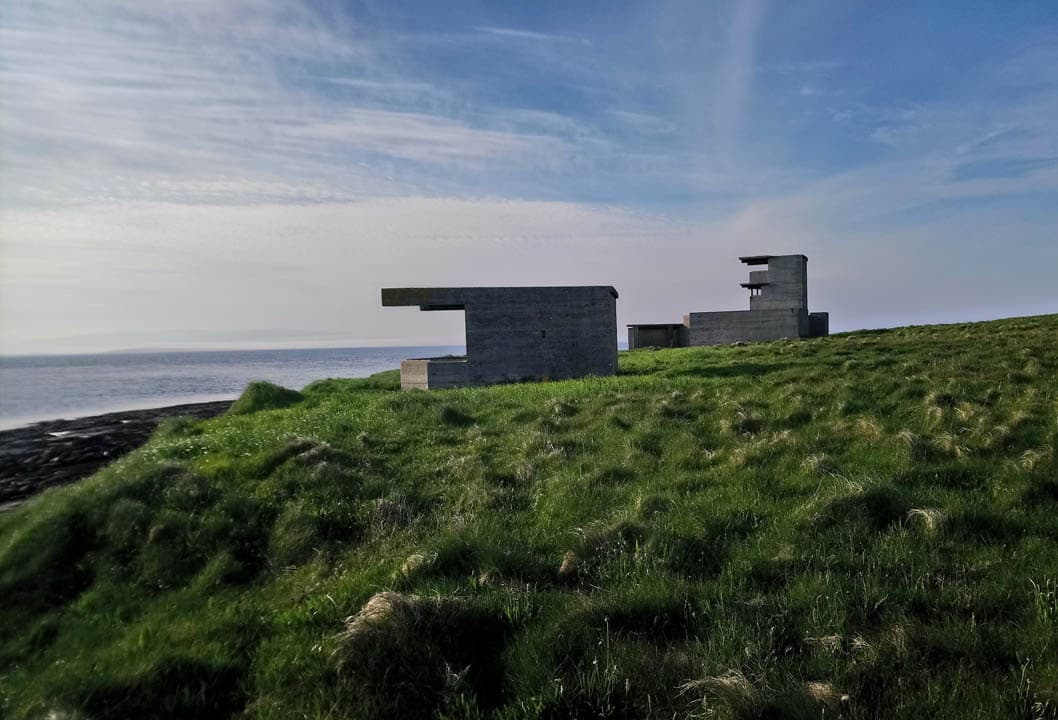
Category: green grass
[861,526]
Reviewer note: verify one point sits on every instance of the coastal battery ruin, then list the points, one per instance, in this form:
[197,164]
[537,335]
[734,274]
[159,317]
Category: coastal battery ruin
[516,334]
[778,309]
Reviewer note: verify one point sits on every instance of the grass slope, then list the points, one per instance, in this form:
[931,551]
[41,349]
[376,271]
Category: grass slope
[862,526]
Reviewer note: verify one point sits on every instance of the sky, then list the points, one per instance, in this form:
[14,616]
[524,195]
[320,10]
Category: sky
[250,173]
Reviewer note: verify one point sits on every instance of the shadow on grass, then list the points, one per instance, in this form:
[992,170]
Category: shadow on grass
[878,508]
[707,371]
[730,371]
[706,553]
[1041,493]
[414,656]
[180,688]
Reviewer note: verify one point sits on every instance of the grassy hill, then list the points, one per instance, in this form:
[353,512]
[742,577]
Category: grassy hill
[860,526]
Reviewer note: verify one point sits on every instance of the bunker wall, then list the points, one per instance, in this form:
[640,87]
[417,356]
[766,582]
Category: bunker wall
[787,278]
[515,334]
[657,335]
[427,373]
[818,324]
[719,328]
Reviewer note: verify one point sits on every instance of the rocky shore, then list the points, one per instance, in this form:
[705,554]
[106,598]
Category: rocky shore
[55,452]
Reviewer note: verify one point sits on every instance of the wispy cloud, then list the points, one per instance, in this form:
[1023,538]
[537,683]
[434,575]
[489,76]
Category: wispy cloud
[736,71]
[142,100]
[189,153]
[644,122]
[506,32]
[424,138]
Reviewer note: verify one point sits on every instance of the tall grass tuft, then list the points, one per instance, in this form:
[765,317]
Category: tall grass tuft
[264,396]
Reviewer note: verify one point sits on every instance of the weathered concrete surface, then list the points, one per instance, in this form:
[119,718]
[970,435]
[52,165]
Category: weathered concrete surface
[719,328]
[818,324]
[426,373]
[778,306]
[524,333]
[785,283]
[662,335]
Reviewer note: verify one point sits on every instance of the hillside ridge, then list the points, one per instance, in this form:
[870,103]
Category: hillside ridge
[856,526]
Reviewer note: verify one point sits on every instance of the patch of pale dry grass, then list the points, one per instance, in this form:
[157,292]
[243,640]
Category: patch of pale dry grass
[524,471]
[818,464]
[831,644]
[966,411]
[929,519]
[569,567]
[868,428]
[731,688]
[825,694]
[1030,459]
[381,609]
[416,563]
[949,444]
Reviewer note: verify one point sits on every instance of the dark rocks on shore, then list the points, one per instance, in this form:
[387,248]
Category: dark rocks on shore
[56,452]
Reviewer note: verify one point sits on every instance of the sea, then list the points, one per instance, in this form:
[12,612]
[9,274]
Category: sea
[49,387]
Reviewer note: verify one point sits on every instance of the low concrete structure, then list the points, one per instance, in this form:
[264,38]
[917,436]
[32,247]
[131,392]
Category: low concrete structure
[663,335]
[818,324]
[515,334]
[778,308]
[720,328]
[439,372]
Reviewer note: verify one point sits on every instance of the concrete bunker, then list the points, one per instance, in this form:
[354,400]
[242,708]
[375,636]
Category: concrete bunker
[516,334]
[778,309]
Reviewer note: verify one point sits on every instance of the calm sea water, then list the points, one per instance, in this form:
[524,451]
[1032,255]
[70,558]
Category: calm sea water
[36,388]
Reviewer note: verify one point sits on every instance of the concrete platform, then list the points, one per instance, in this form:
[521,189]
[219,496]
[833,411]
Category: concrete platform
[439,372]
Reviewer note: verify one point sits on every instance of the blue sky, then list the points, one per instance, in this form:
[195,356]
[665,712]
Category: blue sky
[252,172]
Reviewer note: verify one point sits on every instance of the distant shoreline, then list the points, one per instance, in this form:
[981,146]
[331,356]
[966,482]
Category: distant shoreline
[34,389]
[56,452]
